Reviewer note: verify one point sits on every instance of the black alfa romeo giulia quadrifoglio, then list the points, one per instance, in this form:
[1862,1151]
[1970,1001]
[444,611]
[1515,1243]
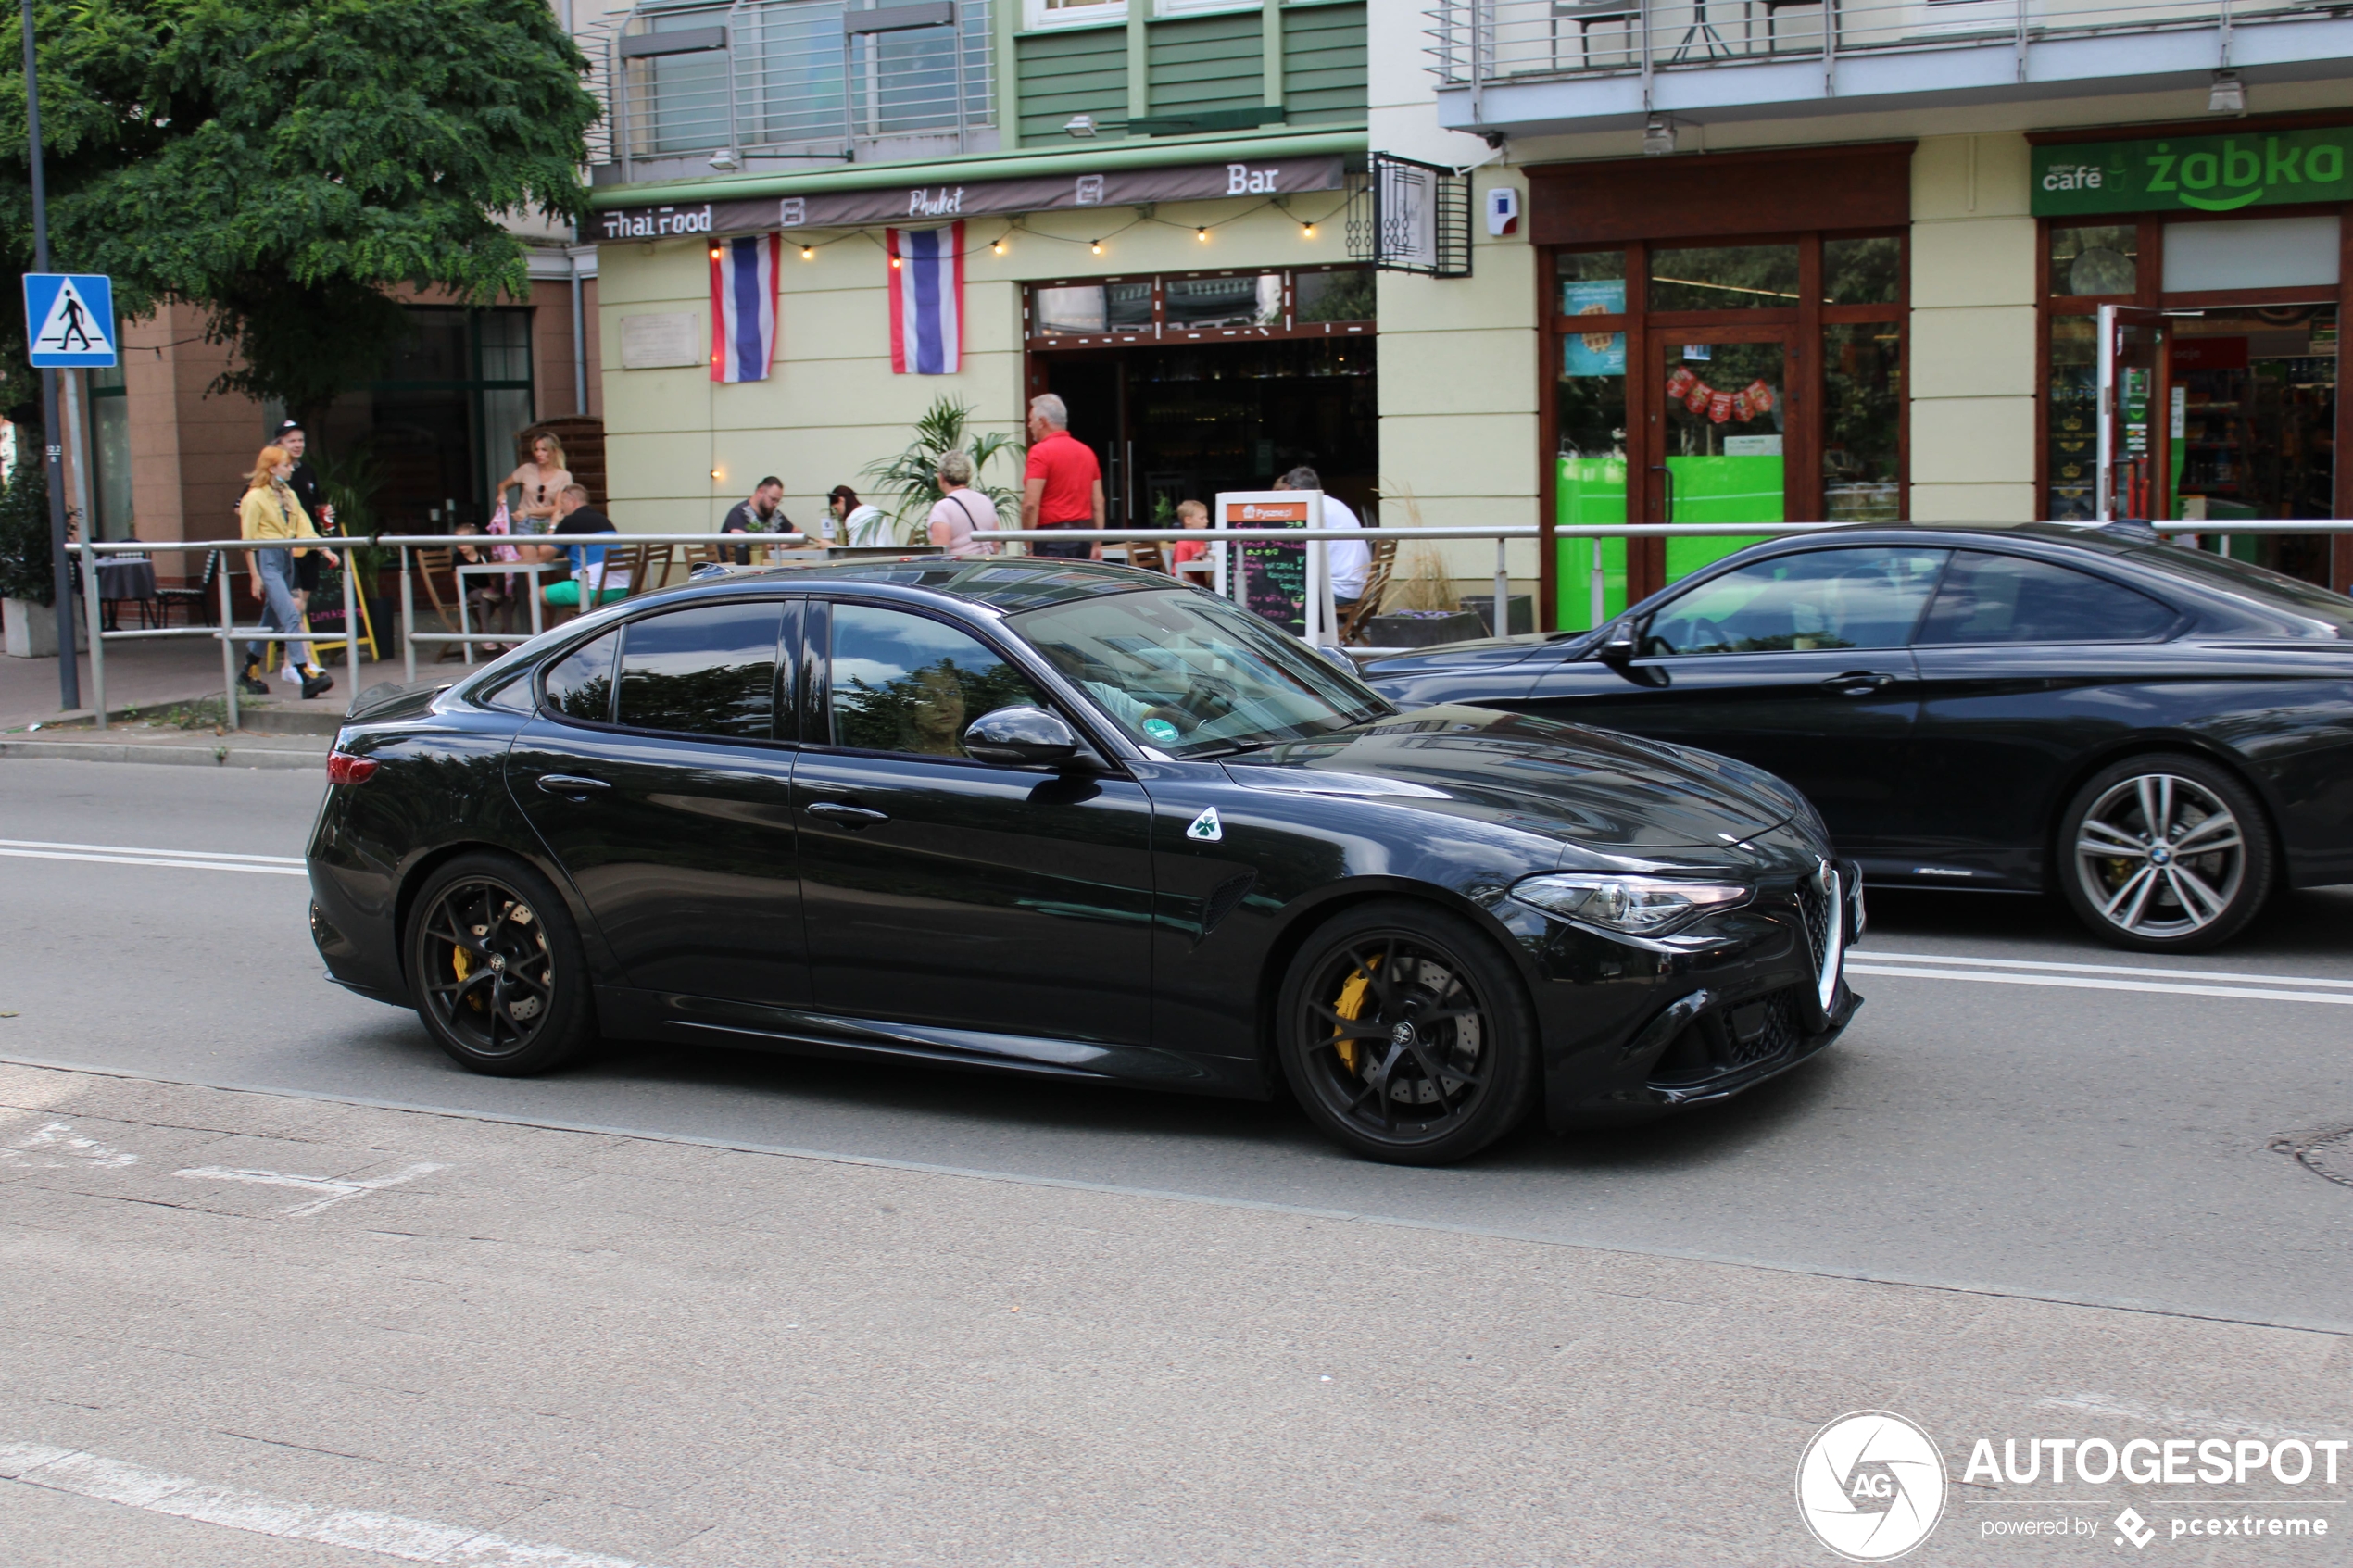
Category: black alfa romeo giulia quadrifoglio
[2162,736]
[1068,820]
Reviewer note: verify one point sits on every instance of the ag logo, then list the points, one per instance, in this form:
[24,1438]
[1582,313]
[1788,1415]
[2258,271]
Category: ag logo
[1870,1486]
[1205,827]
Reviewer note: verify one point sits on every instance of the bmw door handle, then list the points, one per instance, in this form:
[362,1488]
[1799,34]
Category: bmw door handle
[572,785]
[1859,682]
[848,816]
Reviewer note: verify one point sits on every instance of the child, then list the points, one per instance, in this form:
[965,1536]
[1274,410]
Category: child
[487,597]
[1189,514]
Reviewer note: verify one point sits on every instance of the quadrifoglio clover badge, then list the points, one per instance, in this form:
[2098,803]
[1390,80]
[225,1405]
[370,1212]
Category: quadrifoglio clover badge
[1870,1486]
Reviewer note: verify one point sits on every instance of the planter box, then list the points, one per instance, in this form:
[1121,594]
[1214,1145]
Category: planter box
[32,630]
[1483,605]
[1423,631]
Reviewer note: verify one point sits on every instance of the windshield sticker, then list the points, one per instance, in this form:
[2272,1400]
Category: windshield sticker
[1160,730]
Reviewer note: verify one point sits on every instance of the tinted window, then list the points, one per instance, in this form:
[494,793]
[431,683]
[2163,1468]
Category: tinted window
[906,683]
[580,683]
[1988,598]
[1862,598]
[709,670]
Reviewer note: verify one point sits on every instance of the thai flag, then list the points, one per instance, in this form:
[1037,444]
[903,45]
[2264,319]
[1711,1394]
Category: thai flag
[743,306]
[926,300]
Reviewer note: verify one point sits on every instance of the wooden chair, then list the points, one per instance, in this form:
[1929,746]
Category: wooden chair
[1148,554]
[1376,584]
[641,568]
[431,566]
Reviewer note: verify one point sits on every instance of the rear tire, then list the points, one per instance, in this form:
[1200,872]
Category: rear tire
[1406,1034]
[495,968]
[2166,853]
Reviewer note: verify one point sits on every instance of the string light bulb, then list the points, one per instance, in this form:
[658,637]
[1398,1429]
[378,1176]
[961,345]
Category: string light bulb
[1307,231]
[1097,247]
[809,253]
[1201,234]
[714,253]
[999,247]
[894,264]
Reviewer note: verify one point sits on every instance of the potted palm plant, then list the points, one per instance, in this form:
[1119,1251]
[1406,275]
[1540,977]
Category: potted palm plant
[909,482]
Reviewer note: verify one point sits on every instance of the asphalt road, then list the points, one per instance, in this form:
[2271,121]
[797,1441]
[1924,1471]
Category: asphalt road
[2094,1131]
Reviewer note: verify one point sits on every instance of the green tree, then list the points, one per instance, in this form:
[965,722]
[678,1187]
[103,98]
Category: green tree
[280,163]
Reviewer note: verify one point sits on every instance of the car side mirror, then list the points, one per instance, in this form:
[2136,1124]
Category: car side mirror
[1026,735]
[1617,646]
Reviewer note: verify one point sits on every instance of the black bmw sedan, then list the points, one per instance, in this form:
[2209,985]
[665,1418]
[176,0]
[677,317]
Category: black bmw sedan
[2163,736]
[1067,819]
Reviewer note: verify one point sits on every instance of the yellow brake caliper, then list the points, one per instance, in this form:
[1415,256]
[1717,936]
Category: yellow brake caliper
[1352,1004]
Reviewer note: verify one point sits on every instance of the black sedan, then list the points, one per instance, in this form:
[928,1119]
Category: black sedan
[2162,734]
[1067,819]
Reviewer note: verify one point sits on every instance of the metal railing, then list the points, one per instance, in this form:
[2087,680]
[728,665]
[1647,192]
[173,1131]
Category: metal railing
[787,78]
[1320,620]
[1485,42]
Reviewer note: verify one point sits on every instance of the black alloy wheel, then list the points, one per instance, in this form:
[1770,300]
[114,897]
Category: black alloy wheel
[2166,853]
[495,968]
[1406,1036]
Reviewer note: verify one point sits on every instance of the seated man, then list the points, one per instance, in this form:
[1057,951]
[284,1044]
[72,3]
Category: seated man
[575,516]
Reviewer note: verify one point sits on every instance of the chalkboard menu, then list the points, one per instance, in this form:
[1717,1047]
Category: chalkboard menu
[1273,574]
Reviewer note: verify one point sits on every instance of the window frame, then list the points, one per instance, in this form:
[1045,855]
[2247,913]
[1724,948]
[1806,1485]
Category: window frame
[1164,330]
[1036,17]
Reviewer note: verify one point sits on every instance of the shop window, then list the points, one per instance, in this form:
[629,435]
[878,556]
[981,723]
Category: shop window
[1724,278]
[1867,271]
[1090,309]
[2073,416]
[2102,259]
[439,423]
[1862,421]
[1339,295]
[2252,253]
[111,451]
[1248,300]
[1321,302]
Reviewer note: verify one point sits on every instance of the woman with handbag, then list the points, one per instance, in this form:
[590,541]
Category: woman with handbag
[960,510]
[272,512]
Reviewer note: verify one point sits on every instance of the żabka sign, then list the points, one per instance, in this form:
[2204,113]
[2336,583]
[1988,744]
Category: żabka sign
[2200,174]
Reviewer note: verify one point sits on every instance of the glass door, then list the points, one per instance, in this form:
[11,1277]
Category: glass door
[2132,438]
[1719,453]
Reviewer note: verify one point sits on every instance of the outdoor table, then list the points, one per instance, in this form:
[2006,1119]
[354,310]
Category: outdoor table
[125,577]
[500,569]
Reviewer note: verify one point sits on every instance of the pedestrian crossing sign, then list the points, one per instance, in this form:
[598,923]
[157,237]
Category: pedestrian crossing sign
[68,319]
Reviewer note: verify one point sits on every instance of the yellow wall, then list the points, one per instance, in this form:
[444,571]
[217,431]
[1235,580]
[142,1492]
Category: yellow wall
[1972,330]
[831,405]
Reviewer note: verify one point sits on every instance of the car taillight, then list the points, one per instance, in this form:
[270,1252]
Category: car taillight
[344,768]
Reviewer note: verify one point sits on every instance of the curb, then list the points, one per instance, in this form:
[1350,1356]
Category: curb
[217,756]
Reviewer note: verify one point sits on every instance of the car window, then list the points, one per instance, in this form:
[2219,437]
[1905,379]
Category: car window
[1990,599]
[579,685]
[2273,590]
[898,682]
[1868,597]
[1193,676]
[710,669]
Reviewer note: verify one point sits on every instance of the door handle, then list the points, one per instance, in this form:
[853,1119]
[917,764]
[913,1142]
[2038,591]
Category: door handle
[1859,682]
[851,816]
[572,784]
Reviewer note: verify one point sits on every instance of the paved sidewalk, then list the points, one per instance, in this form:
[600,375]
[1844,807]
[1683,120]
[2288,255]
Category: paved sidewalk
[246,1328]
[154,675]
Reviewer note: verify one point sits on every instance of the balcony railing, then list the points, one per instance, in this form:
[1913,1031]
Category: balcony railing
[784,79]
[1478,44]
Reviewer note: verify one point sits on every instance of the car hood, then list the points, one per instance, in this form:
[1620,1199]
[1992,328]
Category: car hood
[1482,653]
[1578,786]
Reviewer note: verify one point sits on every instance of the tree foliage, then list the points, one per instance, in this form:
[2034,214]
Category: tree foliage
[28,562]
[279,163]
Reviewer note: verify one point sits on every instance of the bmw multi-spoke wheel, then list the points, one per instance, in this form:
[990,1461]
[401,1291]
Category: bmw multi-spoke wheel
[1406,1036]
[495,968]
[2166,853]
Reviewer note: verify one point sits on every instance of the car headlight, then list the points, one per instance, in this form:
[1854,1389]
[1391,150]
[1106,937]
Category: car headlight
[1639,906]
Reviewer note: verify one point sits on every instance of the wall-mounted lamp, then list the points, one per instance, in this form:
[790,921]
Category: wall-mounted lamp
[2228,95]
[1658,136]
[723,160]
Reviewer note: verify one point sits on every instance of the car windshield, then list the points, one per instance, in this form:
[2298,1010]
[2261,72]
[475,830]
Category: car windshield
[1189,674]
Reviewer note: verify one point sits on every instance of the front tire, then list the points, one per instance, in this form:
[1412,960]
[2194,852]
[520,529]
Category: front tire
[1407,1036]
[2166,853]
[495,968]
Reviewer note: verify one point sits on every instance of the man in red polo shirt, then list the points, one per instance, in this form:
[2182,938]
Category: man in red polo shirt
[1063,486]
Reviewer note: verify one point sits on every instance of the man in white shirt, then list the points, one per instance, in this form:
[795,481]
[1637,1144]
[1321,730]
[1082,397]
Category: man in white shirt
[1350,560]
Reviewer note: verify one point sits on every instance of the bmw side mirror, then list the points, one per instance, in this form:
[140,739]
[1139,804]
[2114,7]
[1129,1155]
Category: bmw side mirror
[1617,646]
[1025,736]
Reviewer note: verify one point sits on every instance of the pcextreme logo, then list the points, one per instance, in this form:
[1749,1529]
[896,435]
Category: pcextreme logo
[1870,1486]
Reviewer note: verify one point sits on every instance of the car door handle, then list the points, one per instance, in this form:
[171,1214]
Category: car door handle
[1859,682]
[850,817]
[572,784]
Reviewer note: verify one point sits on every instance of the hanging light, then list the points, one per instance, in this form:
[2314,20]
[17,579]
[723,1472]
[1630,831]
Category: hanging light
[1658,136]
[894,264]
[1201,234]
[809,253]
[2228,95]
[1307,231]
[999,247]
[714,253]
[1097,246]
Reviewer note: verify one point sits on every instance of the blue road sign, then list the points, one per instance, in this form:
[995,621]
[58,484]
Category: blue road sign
[68,319]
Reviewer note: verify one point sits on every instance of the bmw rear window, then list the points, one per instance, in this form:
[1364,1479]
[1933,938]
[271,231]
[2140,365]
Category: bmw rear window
[2273,590]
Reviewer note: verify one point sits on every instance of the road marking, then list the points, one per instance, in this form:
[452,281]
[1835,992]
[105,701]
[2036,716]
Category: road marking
[131,855]
[58,1137]
[2092,982]
[183,1497]
[2205,974]
[335,1188]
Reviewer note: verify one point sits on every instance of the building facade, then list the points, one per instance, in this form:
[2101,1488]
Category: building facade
[1752,270]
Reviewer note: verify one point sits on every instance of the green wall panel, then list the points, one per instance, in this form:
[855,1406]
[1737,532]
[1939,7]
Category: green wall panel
[1068,73]
[1324,62]
[1216,62]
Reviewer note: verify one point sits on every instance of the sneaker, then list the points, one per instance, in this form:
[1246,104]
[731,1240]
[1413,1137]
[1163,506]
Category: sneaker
[292,676]
[314,684]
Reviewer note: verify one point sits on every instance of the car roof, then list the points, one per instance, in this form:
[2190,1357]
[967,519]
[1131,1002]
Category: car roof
[1005,583]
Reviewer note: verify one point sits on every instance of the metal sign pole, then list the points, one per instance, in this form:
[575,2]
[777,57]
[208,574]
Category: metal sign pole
[69,666]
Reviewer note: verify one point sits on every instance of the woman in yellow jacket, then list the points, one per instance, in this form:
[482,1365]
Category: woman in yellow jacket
[272,512]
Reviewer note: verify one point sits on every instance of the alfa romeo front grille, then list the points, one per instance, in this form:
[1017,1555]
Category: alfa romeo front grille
[1818,899]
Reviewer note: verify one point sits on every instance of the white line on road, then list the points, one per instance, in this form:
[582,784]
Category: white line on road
[335,1189]
[2209,975]
[183,1497]
[2093,982]
[128,855]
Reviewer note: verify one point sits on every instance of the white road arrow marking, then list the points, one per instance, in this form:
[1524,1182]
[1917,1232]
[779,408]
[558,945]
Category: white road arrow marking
[333,1188]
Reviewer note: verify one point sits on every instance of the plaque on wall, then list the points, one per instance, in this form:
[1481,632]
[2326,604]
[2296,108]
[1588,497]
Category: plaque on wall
[653,343]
